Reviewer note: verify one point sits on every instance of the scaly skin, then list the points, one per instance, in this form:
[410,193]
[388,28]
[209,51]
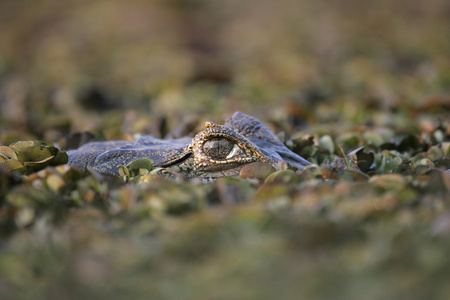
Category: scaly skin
[217,151]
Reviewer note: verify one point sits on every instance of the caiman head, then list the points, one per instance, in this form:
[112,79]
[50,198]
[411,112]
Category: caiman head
[216,151]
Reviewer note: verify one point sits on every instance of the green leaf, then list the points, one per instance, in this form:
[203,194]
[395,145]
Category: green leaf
[22,144]
[327,142]
[8,152]
[12,165]
[42,143]
[124,172]
[34,154]
[387,161]
[41,164]
[141,163]
[60,158]
[423,162]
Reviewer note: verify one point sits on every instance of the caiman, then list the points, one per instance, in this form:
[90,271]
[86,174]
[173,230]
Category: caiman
[216,151]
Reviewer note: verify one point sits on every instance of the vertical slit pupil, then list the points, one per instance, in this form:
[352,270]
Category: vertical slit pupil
[218,148]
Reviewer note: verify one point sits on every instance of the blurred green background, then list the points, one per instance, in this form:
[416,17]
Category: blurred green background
[79,65]
[368,72]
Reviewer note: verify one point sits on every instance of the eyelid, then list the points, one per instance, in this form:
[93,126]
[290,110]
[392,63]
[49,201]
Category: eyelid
[212,131]
[235,151]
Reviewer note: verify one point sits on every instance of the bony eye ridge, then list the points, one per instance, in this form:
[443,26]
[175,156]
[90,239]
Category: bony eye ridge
[216,151]
[221,148]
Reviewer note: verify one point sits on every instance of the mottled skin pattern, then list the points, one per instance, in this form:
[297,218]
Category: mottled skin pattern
[216,151]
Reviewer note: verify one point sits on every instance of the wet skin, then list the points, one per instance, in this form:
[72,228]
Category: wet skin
[216,151]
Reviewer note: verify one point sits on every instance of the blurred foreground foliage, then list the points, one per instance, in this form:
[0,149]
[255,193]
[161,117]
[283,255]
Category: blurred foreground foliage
[362,220]
[361,89]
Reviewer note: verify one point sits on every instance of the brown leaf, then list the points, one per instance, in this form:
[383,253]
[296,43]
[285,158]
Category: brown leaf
[257,170]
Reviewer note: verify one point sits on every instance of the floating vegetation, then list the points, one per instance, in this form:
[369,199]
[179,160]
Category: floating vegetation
[337,206]
[358,88]
[27,157]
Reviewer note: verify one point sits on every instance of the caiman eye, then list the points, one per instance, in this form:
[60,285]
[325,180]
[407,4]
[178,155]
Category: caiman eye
[221,148]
